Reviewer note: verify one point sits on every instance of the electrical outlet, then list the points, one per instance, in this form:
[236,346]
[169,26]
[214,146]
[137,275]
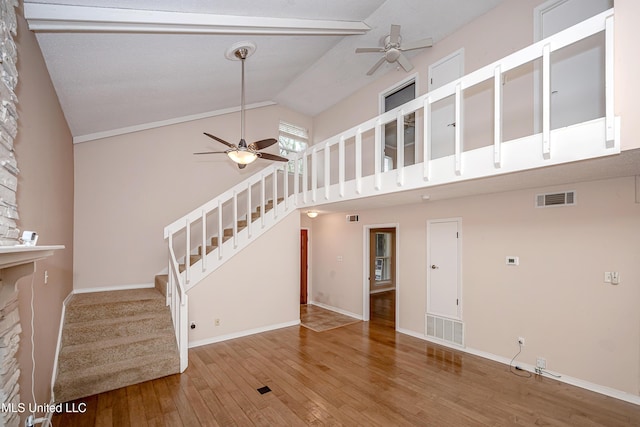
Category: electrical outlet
[521,341]
[217,322]
[541,363]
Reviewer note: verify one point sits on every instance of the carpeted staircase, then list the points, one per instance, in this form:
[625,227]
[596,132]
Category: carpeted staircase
[112,340]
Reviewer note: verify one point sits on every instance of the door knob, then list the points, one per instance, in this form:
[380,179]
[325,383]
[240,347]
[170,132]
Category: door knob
[433,267]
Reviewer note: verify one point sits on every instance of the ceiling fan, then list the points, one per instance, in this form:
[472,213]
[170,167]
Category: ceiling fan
[392,50]
[242,153]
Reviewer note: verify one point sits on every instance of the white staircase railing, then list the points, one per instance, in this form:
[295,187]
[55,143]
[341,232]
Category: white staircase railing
[231,220]
[323,171]
[314,171]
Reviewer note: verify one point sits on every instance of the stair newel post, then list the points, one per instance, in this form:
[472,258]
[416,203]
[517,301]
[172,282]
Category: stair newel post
[275,192]
[249,218]
[235,219]
[220,230]
[187,256]
[183,340]
[204,241]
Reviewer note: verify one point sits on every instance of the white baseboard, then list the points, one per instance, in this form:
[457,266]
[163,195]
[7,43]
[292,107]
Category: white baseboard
[607,391]
[241,334]
[114,288]
[336,309]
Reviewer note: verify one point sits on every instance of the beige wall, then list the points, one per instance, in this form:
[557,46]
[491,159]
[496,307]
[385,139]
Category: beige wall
[129,187]
[258,288]
[556,298]
[45,202]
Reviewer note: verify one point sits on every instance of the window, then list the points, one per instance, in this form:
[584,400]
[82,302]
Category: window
[391,100]
[292,139]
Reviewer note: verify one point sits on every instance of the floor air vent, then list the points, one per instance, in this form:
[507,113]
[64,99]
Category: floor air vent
[567,198]
[444,329]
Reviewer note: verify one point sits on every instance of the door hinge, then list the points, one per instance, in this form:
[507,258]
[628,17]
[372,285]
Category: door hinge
[457,301]
[457,235]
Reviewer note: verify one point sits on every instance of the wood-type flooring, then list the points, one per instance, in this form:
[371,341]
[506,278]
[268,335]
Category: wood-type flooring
[363,374]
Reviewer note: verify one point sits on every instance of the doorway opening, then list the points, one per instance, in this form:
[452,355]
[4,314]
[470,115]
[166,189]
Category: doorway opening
[382,283]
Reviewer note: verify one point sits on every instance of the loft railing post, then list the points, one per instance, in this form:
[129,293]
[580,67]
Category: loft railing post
[184,332]
[378,153]
[314,173]
[497,117]
[400,148]
[458,129]
[327,172]
[358,160]
[305,176]
[609,83]
[341,166]
[426,138]
[546,101]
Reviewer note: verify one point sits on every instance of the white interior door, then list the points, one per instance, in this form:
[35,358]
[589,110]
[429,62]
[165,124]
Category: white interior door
[577,71]
[443,266]
[443,112]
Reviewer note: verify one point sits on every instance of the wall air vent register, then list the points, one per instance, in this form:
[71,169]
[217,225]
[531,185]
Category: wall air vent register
[567,198]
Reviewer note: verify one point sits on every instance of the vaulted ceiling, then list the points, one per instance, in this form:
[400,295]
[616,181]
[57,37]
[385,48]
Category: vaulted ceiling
[124,64]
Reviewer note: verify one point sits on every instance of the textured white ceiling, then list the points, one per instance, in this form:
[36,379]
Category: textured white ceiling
[110,81]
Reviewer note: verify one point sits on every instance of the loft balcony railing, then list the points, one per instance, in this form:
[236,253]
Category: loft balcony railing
[321,172]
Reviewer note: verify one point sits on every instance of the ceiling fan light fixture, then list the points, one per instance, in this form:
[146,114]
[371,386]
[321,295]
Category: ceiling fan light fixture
[242,157]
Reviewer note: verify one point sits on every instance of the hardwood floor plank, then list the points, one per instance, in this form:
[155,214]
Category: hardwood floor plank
[363,374]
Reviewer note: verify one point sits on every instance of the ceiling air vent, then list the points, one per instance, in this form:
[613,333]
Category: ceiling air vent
[567,198]
[352,218]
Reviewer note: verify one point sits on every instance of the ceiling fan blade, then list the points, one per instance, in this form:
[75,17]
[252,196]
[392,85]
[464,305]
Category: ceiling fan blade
[262,144]
[405,63]
[418,44]
[228,144]
[376,66]
[369,49]
[212,152]
[268,156]
[394,36]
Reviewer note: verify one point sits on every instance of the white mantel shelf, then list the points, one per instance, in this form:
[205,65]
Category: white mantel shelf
[11,256]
